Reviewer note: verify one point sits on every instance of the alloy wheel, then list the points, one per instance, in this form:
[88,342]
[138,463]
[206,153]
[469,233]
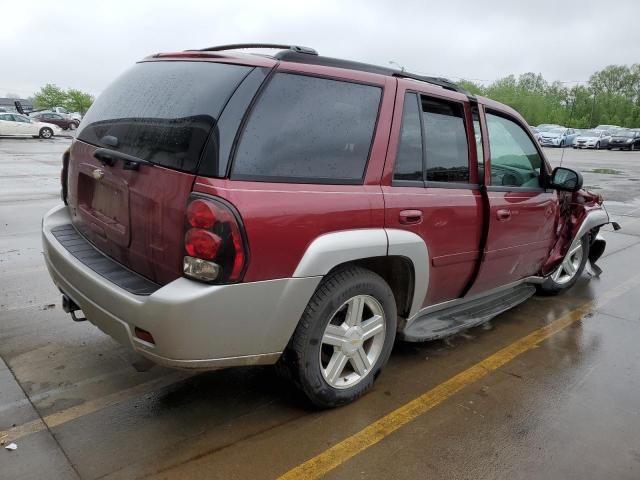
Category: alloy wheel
[569,267]
[352,341]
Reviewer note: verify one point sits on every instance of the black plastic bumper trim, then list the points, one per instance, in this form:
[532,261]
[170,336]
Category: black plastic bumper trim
[88,255]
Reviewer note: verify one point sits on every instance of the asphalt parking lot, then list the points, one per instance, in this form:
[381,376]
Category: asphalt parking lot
[548,390]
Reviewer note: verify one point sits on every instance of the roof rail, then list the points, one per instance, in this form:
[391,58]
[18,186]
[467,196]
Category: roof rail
[442,82]
[294,56]
[239,46]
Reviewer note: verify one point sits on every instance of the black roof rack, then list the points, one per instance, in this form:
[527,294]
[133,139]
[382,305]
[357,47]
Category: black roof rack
[239,46]
[299,54]
[294,56]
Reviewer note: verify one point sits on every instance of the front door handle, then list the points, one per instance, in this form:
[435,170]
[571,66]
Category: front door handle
[410,217]
[503,214]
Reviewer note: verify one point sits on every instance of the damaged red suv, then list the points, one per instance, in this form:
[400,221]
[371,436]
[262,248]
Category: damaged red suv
[225,209]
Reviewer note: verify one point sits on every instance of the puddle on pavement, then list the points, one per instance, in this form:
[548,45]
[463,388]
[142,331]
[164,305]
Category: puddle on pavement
[605,171]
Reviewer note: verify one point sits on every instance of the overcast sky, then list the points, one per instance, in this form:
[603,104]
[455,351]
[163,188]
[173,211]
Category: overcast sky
[86,44]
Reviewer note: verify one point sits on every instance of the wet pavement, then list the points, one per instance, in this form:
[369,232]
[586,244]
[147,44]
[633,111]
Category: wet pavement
[548,390]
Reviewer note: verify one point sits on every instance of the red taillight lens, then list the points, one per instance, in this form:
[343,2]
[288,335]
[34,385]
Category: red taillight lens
[201,243]
[201,214]
[214,241]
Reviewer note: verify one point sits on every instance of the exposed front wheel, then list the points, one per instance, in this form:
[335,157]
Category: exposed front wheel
[344,337]
[46,132]
[598,146]
[72,126]
[568,272]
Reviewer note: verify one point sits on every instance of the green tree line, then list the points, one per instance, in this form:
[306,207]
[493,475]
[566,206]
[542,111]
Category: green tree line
[73,100]
[611,97]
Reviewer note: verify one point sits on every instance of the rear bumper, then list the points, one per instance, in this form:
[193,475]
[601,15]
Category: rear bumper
[194,325]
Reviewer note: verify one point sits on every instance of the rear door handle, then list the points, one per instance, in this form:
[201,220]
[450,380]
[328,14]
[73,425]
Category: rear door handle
[410,217]
[503,214]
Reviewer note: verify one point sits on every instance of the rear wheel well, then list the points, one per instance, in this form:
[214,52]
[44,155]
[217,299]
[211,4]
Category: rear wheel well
[397,271]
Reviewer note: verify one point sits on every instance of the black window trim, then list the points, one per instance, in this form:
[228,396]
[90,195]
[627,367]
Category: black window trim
[404,182]
[300,180]
[544,174]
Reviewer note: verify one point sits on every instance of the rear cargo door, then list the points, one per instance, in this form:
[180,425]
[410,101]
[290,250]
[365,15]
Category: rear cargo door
[134,161]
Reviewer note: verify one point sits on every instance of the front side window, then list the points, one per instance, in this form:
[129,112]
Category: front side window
[308,130]
[446,148]
[515,162]
[409,157]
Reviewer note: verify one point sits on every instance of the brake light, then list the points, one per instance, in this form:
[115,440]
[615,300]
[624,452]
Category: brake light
[201,243]
[201,214]
[214,241]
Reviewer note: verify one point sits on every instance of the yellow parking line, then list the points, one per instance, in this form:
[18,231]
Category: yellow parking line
[92,406]
[331,458]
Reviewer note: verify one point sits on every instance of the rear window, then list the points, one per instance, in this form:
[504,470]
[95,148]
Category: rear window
[162,112]
[308,130]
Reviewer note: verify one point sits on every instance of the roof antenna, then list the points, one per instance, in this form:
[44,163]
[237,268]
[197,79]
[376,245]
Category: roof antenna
[569,122]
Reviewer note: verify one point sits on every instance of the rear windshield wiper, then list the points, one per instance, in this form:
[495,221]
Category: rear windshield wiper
[110,157]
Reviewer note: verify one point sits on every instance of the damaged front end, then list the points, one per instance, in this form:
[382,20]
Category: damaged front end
[581,213]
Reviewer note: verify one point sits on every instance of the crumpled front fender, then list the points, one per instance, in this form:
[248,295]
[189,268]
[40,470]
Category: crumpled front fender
[580,213]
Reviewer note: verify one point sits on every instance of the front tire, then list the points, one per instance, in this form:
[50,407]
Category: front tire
[598,146]
[569,271]
[72,126]
[344,337]
[46,132]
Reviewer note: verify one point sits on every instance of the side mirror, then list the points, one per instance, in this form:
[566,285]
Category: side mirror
[565,179]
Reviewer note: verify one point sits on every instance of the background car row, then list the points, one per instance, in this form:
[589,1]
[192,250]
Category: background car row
[603,136]
[43,124]
[14,124]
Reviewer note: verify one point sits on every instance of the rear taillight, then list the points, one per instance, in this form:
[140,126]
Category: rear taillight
[214,241]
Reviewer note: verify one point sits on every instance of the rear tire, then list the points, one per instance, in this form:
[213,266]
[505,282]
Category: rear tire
[344,337]
[46,132]
[569,271]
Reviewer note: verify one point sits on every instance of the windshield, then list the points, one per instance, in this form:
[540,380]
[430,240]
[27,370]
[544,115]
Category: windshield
[625,134]
[590,133]
[162,112]
[558,131]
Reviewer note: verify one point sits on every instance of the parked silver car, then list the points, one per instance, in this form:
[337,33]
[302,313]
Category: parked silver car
[558,137]
[596,139]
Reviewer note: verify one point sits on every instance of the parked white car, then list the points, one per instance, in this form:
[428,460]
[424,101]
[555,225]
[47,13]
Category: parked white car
[14,124]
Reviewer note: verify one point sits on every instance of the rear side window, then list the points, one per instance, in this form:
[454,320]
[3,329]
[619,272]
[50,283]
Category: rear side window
[409,157]
[308,130]
[162,112]
[446,148]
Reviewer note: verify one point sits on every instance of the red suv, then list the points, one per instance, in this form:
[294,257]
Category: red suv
[225,209]
[66,123]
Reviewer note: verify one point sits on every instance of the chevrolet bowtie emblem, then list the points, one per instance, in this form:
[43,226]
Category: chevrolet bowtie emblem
[98,174]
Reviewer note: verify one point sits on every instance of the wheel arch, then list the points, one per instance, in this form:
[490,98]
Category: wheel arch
[398,256]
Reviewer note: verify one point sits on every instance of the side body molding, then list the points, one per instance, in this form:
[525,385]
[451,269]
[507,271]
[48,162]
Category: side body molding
[333,249]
